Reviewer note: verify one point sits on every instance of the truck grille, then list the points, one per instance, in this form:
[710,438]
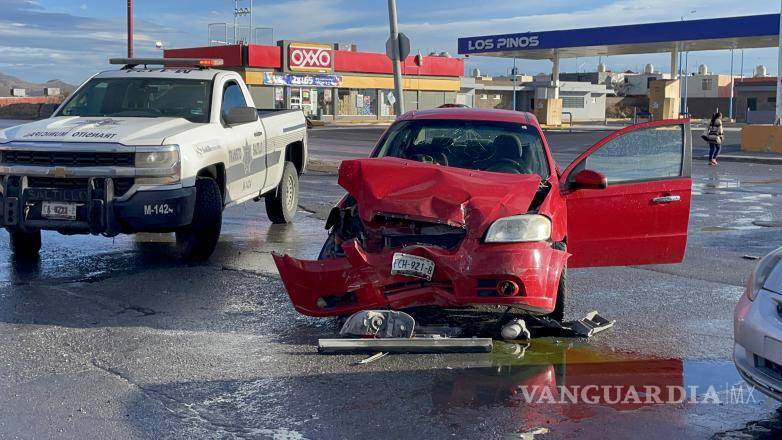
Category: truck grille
[70,159]
[121,185]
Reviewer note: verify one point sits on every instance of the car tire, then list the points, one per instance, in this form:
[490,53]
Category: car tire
[197,241]
[562,292]
[25,244]
[282,204]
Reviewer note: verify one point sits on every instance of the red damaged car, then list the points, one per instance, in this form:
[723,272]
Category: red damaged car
[462,207]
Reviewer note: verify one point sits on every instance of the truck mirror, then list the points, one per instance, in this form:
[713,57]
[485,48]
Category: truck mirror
[590,179]
[240,115]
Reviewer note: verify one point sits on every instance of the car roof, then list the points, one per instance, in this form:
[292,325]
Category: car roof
[475,114]
[157,72]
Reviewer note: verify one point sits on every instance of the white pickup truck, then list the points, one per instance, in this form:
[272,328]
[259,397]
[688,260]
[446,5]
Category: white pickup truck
[145,149]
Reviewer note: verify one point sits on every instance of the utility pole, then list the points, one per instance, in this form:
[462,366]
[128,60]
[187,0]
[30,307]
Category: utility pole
[514,74]
[779,74]
[130,28]
[399,105]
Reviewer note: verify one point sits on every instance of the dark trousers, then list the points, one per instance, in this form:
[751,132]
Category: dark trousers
[714,150]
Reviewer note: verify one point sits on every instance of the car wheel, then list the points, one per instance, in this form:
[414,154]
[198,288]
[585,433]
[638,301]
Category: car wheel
[25,244]
[198,240]
[281,205]
[559,309]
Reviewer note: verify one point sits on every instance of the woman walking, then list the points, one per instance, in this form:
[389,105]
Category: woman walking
[715,136]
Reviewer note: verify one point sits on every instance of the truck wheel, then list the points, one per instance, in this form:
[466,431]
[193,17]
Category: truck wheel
[197,240]
[559,309]
[25,244]
[281,205]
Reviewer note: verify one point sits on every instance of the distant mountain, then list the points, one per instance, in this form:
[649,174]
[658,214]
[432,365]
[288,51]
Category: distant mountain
[8,82]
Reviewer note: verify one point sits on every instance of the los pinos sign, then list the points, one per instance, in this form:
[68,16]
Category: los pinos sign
[310,57]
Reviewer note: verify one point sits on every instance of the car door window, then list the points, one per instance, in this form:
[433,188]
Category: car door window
[646,154]
[232,97]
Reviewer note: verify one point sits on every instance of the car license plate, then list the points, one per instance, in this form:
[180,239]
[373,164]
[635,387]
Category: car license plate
[58,211]
[411,265]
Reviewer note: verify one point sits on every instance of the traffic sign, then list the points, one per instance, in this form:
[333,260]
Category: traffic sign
[403,43]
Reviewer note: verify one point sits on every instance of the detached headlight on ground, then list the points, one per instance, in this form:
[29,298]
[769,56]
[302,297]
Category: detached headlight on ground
[519,229]
[158,166]
[763,270]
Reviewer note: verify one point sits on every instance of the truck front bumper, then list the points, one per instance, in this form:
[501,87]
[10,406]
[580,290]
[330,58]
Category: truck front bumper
[97,211]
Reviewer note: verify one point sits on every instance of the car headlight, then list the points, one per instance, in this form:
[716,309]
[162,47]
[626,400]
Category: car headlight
[519,229]
[761,273]
[158,166]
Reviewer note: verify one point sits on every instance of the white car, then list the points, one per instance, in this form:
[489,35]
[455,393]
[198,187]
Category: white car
[757,327]
[145,149]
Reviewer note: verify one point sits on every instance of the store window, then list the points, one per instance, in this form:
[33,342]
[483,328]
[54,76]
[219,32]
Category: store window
[279,98]
[386,107]
[357,102]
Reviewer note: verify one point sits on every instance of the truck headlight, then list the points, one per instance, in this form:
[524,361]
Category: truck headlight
[158,166]
[761,273]
[519,229]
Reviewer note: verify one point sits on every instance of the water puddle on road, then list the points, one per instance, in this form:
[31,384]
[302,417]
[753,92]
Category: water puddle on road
[566,386]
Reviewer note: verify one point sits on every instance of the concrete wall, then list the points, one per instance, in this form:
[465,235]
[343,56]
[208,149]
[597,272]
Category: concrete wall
[624,106]
[765,100]
[702,108]
[494,99]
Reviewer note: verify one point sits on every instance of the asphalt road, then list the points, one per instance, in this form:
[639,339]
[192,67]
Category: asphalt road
[114,338]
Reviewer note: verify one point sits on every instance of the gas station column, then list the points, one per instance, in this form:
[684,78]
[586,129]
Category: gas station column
[548,105]
[675,62]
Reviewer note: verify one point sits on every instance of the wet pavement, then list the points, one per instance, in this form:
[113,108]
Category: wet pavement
[115,338]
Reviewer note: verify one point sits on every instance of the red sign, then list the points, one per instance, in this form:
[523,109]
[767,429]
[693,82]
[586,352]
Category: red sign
[310,57]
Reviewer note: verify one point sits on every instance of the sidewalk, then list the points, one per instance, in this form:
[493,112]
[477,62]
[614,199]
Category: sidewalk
[732,153]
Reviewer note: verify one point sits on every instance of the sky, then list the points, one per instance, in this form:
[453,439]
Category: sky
[70,40]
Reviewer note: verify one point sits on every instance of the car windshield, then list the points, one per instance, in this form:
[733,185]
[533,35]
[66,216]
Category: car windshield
[500,147]
[142,98]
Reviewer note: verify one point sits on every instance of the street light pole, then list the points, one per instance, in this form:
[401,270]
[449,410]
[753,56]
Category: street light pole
[130,28]
[730,107]
[779,73]
[514,75]
[399,105]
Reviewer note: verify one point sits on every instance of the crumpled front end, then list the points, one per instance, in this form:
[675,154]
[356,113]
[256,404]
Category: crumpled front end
[436,213]
[469,276]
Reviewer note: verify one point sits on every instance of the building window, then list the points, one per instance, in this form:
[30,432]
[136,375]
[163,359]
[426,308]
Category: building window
[707,84]
[772,100]
[572,102]
[752,104]
[497,97]
[357,102]
[484,97]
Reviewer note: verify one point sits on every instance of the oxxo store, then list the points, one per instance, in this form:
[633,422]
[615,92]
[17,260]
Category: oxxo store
[331,84]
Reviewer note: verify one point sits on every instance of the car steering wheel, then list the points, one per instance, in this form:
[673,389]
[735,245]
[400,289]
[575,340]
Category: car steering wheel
[508,166]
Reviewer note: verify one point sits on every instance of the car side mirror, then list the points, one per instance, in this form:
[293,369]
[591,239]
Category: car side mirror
[240,115]
[590,179]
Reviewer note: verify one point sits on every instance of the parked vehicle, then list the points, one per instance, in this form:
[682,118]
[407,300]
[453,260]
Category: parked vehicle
[459,207]
[757,327]
[150,150]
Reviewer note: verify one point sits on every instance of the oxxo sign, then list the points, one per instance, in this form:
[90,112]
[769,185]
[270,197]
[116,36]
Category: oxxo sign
[504,43]
[308,57]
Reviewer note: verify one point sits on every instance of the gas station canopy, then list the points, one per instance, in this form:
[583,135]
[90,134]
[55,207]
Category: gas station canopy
[747,32]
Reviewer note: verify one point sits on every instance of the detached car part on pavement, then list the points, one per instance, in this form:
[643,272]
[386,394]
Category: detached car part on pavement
[150,150]
[461,207]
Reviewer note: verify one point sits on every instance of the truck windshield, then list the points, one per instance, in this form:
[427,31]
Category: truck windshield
[477,145]
[142,98]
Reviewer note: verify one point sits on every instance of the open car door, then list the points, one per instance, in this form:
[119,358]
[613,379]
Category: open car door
[628,197]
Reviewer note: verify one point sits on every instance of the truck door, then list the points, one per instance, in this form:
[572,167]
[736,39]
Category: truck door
[246,169]
[628,197]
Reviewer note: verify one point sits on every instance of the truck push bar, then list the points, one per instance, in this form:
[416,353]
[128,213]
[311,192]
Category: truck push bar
[201,63]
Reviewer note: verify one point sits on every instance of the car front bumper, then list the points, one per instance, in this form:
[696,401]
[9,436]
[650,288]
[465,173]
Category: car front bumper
[467,276]
[98,211]
[757,350]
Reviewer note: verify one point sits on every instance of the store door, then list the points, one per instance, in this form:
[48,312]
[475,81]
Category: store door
[304,99]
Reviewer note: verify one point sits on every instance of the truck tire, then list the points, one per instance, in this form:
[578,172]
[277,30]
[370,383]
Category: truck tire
[198,240]
[281,204]
[562,291]
[25,244]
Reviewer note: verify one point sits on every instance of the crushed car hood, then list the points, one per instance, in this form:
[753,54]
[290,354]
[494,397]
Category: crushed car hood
[453,196]
[129,131]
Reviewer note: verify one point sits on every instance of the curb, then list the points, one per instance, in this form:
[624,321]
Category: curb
[745,159]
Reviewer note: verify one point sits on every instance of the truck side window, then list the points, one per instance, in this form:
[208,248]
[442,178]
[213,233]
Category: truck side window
[232,97]
[652,153]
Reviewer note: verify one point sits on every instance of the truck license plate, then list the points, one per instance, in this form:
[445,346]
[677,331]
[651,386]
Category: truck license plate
[58,211]
[411,265]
